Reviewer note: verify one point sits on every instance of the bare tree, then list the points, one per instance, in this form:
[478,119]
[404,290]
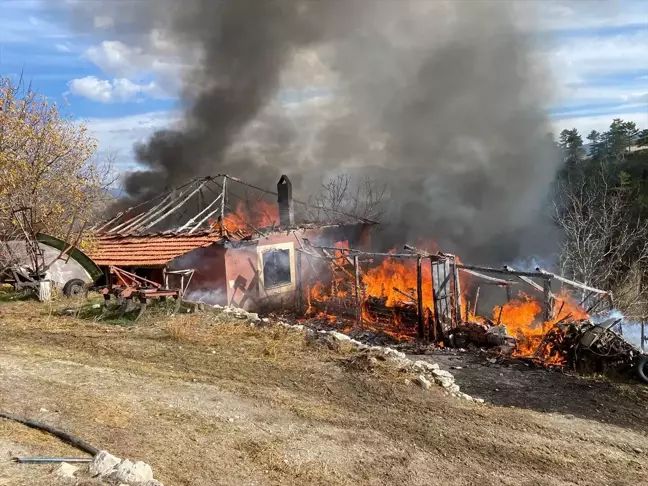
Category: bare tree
[339,195]
[605,243]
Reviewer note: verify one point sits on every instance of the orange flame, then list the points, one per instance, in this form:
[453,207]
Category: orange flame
[261,215]
[523,320]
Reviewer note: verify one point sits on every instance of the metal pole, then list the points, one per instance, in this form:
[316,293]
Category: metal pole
[432,333]
[356,264]
[547,311]
[457,292]
[223,195]
[509,293]
[643,335]
[43,460]
[300,285]
[419,298]
[476,301]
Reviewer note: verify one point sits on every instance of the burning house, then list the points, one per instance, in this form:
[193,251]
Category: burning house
[239,251]
[208,241]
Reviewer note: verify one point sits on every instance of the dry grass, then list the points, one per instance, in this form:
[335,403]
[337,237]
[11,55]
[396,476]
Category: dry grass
[207,399]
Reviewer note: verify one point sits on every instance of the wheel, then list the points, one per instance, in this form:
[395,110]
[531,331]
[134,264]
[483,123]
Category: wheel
[74,288]
[642,368]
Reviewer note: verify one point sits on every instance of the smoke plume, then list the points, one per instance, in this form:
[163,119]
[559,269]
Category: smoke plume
[443,101]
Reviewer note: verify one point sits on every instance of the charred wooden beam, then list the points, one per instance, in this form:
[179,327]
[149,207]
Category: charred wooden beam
[351,252]
[409,296]
[223,200]
[418,251]
[189,223]
[433,320]
[527,280]
[494,280]
[358,302]
[547,301]
[457,292]
[419,298]
[572,282]
[500,271]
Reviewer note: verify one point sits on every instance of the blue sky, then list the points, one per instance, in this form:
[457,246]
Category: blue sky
[598,52]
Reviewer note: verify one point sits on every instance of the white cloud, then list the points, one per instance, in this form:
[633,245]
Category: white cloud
[121,60]
[572,15]
[115,91]
[63,47]
[116,136]
[575,59]
[118,59]
[600,123]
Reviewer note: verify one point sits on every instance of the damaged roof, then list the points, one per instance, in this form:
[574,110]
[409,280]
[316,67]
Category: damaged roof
[133,237]
[147,250]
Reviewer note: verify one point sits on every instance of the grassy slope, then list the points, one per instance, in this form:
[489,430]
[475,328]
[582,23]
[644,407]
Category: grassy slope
[206,400]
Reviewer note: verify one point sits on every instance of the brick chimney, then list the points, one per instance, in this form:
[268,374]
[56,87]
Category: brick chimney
[285,200]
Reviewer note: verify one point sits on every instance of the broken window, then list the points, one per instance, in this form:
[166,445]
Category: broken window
[276,268]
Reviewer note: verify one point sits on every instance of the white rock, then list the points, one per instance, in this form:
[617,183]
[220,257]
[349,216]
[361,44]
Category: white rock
[479,400]
[401,363]
[152,482]
[103,464]
[466,397]
[339,336]
[96,306]
[133,472]
[454,388]
[265,319]
[444,381]
[442,374]
[66,470]
[395,354]
[425,365]
[423,382]
[253,316]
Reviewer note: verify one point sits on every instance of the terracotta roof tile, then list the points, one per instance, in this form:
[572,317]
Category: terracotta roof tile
[147,250]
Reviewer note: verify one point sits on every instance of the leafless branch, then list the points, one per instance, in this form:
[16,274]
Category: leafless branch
[340,194]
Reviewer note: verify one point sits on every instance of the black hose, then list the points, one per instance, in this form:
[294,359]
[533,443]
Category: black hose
[64,436]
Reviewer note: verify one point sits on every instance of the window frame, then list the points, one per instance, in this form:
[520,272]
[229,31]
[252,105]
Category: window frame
[281,288]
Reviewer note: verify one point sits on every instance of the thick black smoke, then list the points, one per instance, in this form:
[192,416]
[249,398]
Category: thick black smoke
[440,100]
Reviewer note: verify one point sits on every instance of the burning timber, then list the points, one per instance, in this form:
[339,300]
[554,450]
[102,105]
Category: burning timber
[241,248]
[244,251]
[432,296]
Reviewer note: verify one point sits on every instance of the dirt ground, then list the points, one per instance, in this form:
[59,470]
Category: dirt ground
[207,401]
